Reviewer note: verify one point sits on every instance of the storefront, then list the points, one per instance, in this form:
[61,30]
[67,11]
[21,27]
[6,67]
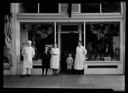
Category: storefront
[101,30]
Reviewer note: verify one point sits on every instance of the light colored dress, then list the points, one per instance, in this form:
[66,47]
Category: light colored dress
[28,53]
[80,58]
[55,58]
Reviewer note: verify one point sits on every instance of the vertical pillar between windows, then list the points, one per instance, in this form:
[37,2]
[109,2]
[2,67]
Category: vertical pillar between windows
[121,40]
[38,8]
[79,8]
[84,33]
[100,8]
[79,30]
[59,8]
[14,8]
[54,32]
[122,8]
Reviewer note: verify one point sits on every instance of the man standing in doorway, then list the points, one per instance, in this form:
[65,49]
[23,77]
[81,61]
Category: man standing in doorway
[28,53]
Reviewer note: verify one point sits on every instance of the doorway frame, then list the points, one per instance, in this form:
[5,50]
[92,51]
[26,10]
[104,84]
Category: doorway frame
[66,32]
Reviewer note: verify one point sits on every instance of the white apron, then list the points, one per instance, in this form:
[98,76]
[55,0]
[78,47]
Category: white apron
[55,58]
[28,53]
[80,58]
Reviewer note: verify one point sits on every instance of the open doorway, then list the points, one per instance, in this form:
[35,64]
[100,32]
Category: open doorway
[68,45]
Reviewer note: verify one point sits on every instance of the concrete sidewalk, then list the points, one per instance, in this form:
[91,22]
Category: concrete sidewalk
[115,82]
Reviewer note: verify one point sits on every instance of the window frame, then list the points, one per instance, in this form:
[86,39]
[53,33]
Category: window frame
[121,42]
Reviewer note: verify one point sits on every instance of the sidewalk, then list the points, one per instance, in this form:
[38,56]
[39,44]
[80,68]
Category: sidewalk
[115,82]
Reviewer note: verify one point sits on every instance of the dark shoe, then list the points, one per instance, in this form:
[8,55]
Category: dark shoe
[56,74]
[22,76]
[29,75]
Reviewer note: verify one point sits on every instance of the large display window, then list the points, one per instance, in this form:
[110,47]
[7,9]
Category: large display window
[103,41]
[41,35]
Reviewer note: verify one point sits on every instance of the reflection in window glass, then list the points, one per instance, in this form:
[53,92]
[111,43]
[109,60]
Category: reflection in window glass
[90,8]
[28,7]
[103,41]
[111,7]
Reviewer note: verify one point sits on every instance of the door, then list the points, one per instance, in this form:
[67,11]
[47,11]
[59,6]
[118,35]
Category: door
[68,45]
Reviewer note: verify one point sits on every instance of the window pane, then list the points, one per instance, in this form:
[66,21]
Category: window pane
[49,8]
[64,8]
[111,7]
[103,41]
[75,8]
[28,7]
[90,8]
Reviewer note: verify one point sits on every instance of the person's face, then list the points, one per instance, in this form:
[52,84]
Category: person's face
[70,55]
[79,44]
[46,48]
[55,45]
[29,44]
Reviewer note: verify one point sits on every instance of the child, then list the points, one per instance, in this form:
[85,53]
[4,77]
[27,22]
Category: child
[69,62]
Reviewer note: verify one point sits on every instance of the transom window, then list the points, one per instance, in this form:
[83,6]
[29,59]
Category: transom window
[103,7]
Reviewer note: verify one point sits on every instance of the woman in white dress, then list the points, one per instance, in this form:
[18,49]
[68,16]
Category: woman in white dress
[55,59]
[80,57]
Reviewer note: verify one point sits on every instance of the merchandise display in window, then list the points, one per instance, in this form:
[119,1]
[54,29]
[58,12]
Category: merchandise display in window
[103,41]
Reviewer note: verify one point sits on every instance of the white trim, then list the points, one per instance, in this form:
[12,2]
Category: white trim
[79,31]
[78,14]
[65,20]
[122,7]
[84,33]
[121,41]
[38,8]
[100,8]
[54,32]
[102,62]
[59,9]
[79,8]
[124,30]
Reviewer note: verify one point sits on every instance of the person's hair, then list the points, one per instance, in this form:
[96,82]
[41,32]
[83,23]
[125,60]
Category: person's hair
[29,41]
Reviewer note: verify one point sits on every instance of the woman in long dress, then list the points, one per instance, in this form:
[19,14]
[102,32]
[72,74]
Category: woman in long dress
[55,59]
[80,58]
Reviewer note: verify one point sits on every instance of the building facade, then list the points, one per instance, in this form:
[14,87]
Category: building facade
[100,27]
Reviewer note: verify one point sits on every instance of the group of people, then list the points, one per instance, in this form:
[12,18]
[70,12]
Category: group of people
[51,59]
